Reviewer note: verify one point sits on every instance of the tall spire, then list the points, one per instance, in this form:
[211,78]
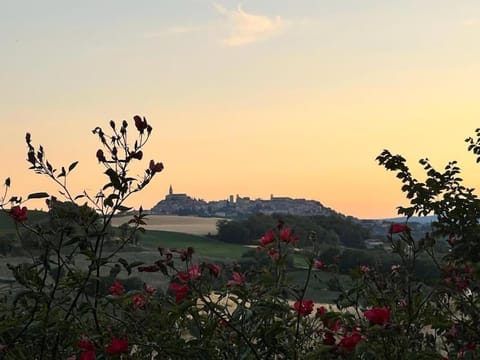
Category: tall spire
[170,191]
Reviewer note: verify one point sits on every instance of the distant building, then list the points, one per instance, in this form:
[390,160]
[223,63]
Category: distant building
[172,196]
[182,204]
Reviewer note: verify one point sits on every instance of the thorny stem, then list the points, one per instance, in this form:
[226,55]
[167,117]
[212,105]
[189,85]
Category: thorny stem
[302,296]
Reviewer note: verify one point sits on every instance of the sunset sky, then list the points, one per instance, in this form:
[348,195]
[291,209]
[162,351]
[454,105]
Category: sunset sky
[286,97]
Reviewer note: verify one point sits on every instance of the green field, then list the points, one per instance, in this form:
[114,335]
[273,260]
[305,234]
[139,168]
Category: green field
[203,246]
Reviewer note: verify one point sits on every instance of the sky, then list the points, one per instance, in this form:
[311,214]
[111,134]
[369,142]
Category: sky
[285,97]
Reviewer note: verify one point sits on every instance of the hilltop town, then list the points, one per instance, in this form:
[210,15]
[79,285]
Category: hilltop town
[236,206]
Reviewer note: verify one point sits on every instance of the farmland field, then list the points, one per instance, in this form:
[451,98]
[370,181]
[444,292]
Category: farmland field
[182,232]
[203,246]
[182,224]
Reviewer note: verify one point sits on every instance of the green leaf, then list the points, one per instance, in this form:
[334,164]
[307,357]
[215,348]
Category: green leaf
[72,166]
[123,208]
[38,195]
[114,179]
[109,200]
[63,173]
[124,263]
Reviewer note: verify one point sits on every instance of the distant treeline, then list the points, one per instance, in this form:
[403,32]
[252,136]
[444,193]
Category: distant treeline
[329,229]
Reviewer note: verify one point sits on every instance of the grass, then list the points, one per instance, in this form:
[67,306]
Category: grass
[202,245]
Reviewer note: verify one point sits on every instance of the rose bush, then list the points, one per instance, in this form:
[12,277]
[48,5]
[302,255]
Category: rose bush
[61,310]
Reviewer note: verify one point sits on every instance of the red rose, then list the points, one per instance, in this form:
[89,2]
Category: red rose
[194,272]
[268,238]
[238,280]
[333,325]
[18,214]
[286,236]
[117,346]
[329,339]
[378,316]
[88,350]
[101,156]
[398,228]
[364,269]
[155,167]
[349,342]
[116,289]
[214,269]
[321,312]
[304,307]
[180,290]
[183,276]
[88,355]
[85,344]
[149,289]
[274,254]
[319,265]
[139,301]
[140,124]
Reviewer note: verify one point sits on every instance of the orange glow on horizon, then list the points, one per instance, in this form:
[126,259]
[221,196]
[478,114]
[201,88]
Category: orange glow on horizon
[301,109]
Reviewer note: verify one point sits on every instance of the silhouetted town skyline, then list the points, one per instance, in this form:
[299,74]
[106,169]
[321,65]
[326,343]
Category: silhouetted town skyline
[232,206]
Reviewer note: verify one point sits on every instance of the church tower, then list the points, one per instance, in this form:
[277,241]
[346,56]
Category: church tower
[170,191]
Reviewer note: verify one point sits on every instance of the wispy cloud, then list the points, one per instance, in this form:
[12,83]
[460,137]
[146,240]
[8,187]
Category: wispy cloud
[173,30]
[246,28]
[471,22]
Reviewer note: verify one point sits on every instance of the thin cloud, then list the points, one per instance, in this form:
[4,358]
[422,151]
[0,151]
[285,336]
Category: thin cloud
[246,28]
[471,22]
[173,30]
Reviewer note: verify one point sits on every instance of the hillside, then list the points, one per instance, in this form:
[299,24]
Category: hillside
[182,224]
